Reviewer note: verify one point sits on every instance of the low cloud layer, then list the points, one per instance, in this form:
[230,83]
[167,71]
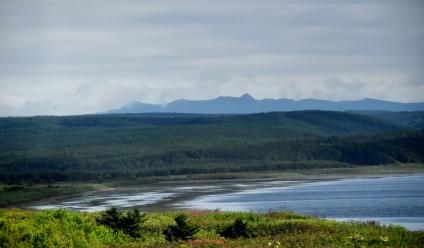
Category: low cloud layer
[75,57]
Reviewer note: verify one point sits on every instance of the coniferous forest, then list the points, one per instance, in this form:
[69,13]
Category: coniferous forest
[133,146]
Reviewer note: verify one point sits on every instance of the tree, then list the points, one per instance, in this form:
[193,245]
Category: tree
[129,223]
[236,230]
[181,231]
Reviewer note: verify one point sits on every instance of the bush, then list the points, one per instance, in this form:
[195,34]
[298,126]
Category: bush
[236,230]
[4,239]
[181,231]
[129,223]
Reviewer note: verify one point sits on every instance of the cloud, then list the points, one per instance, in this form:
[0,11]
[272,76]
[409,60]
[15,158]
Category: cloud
[88,56]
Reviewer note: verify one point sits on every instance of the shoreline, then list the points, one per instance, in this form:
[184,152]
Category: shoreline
[75,189]
[180,192]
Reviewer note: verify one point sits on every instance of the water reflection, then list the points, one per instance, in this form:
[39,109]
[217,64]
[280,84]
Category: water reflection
[389,200]
[96,201]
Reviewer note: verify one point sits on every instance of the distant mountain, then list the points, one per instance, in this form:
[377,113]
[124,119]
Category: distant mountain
[246,104]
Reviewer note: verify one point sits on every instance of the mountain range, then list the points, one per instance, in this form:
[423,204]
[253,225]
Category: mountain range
[246,104]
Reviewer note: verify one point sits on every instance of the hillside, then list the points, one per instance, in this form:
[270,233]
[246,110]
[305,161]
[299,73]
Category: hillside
[246,104]
[411,119]
[98,147]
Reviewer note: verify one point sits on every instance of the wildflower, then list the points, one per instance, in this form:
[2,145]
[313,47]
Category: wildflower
[384,238]
[357,237]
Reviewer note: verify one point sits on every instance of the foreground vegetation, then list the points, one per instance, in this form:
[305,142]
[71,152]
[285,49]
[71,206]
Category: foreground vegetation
[60,228]
[117,147]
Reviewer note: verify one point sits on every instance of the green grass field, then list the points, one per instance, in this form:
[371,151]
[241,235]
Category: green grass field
[60,228]
[13,194]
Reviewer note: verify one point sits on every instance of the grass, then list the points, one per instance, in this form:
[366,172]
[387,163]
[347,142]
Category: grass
[60,228]
[12,195]
[15,194]
[375,170]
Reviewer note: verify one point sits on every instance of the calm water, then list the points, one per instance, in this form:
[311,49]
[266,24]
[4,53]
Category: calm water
[389,200]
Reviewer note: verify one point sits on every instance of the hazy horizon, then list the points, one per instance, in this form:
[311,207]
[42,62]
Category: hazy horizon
[274,98]
[80,57]
[207,99]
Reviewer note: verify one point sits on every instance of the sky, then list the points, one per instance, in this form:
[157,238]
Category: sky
[86,56]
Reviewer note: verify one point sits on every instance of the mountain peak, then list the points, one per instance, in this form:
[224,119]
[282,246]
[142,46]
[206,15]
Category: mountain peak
[247,97]
[247,104]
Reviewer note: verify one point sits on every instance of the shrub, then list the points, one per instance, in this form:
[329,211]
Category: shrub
[129,223]
[111,218]
[181,231]
[4,239]
[236,230]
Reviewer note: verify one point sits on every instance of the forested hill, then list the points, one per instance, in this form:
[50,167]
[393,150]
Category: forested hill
[411,119]
[97,147]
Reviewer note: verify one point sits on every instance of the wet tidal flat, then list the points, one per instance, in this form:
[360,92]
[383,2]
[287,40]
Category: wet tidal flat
[387,200]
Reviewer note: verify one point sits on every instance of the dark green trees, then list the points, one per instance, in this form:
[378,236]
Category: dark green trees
[181,231]
[236,230]
[129,222]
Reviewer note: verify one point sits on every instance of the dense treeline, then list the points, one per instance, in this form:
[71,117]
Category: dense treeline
[412,119]
[101,147]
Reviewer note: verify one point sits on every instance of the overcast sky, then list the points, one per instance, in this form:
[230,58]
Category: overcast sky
[79,56]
